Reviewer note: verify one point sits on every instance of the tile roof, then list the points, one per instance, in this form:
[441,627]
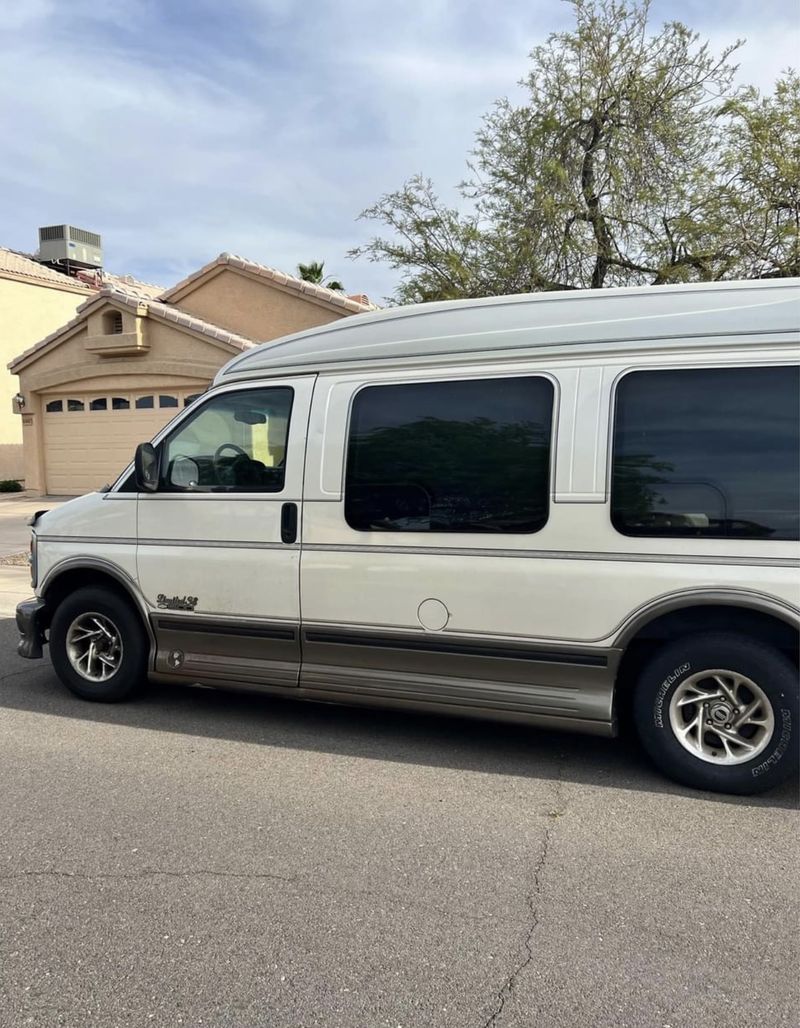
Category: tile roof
[206,328]
[101,278]
[146,298]
[309,289]
[21,266]
[131,297]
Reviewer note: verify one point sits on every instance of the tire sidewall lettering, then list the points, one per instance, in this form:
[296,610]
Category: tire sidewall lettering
[672,679]
[784,740]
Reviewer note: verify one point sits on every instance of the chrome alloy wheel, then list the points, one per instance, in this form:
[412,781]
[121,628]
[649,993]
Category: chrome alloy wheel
[94,647]
[721,717]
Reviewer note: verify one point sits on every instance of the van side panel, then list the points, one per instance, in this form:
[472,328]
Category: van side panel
[569,588]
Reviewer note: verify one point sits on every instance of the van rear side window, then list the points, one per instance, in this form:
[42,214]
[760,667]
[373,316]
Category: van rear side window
[458,456]
[708,452]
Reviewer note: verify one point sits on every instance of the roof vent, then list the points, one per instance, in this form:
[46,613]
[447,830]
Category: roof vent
[67,247]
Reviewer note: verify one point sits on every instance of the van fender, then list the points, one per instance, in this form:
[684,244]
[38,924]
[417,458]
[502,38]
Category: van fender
[107,567]
[747,599]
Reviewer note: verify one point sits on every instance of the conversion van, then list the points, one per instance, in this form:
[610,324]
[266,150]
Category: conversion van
[559,510]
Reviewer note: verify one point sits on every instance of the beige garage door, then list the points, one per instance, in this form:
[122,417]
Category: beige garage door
[89,438]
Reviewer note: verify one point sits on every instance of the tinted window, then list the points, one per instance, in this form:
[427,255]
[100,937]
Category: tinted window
[101,403]
[74,405]
[168,401]
[120,403]
[708,452]
[236,442]
[55,407]
[144,403]
[450,457]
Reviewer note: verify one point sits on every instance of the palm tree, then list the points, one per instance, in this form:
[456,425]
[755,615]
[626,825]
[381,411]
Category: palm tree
[314,272]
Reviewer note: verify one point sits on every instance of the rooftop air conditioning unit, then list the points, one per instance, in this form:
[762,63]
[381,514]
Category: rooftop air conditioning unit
[65,244]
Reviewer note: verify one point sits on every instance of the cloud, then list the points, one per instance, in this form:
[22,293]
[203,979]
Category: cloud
[179,129]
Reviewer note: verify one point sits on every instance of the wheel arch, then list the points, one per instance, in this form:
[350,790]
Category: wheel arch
[690,613]
[735,606]
[80,572]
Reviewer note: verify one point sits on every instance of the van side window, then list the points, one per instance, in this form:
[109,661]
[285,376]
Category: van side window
[713,453]
[236,442]
[457,456]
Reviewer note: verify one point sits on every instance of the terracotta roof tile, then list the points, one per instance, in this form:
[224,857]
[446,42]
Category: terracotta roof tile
[329,296]
[142,296]
[130,297]
[100,278]
[21,266]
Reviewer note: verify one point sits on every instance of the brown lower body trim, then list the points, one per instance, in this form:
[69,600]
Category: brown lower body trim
[217,650]
[606,729]
[414,670]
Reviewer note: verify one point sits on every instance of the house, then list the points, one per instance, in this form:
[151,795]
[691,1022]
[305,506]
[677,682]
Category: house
[34,300]
[134,355]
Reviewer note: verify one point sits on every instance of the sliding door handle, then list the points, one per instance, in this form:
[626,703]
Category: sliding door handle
[289,523]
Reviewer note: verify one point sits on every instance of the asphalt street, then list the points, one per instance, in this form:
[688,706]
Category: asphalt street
[225,859]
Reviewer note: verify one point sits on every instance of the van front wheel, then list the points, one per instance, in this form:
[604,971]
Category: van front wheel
[98,646]
[720,712]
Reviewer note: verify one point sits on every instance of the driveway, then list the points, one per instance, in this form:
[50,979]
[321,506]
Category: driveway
[225,859]
[15,535]
[15,509]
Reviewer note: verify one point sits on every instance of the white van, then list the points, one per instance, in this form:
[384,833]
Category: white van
[550,509]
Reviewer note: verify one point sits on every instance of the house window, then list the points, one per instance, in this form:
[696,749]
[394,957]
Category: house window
[468,456]
[55,407]
[101,403]
[75,405]
[144,403]
[120,403]
[168,401]
[112,323]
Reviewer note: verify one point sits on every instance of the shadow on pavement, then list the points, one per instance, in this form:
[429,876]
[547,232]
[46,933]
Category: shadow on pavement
[427,740]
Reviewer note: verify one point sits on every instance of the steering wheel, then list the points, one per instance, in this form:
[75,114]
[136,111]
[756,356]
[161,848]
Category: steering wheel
[227,446]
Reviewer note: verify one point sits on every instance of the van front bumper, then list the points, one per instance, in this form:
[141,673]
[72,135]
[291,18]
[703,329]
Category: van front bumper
[31,624]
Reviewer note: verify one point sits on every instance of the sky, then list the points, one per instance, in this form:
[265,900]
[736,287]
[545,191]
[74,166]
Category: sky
[181,128]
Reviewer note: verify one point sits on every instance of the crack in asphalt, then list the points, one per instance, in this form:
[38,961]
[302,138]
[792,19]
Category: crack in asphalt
[532,898]
[15,674]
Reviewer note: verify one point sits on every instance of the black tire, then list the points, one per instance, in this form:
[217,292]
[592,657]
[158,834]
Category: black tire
[131,672]
[673,668]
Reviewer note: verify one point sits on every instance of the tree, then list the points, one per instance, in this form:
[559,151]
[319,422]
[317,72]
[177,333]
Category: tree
[314,272]
[762,163]
[625,164]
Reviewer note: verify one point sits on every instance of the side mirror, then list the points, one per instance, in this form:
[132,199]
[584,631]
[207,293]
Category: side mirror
[146,468]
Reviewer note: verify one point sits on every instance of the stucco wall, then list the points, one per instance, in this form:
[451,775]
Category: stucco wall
[172,356]
[169,352]
[28,313]
[253,307]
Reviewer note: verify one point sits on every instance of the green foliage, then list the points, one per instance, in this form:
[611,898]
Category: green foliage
[762,165]
[632,160]
[315,272]
[10,485]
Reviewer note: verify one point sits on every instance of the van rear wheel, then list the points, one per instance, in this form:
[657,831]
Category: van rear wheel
[720,712]
[98,646]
